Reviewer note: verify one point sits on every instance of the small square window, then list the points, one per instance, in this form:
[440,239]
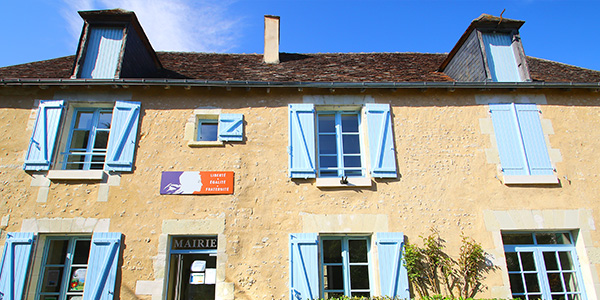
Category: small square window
[210,127]
[207,130]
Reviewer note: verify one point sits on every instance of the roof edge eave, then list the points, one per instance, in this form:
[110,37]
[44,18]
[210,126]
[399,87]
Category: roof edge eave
[295,84]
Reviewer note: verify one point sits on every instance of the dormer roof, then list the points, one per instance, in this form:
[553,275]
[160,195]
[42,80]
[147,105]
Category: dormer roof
[489,50]
[484,21]
[113,45]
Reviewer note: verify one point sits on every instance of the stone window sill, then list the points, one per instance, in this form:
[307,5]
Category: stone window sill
[96,175]
[205,144]
[529,179]
[334,182]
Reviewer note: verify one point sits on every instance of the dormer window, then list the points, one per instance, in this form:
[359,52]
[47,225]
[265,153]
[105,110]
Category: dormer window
[102,53]
[501,58]
[113,45]
[489,50]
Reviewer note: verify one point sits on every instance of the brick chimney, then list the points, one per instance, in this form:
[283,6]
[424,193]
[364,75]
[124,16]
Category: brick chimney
[271,55]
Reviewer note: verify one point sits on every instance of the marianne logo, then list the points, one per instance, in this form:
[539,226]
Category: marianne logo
[196,183]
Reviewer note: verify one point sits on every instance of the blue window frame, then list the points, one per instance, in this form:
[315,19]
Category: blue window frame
[64,268]
[207,130]
[543,265]
[339,144]
[88,139]
[345,266]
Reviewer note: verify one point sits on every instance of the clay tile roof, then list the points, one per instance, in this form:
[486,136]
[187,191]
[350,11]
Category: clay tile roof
[320,67]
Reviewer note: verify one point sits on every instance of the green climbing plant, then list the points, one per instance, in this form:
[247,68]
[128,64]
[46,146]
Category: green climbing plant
[434,274]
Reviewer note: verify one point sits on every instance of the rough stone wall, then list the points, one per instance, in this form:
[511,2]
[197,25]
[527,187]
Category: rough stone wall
[445,178]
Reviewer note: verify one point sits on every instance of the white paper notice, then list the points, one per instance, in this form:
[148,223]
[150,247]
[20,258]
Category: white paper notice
[211,276]
[197,278]
[198,266]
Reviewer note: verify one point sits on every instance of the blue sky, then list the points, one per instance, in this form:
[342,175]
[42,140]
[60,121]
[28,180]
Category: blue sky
[563,31]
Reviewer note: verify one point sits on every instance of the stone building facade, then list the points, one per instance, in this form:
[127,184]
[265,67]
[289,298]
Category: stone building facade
[127,173]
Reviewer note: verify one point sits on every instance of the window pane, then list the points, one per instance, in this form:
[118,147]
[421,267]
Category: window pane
[558,297]
[326,123]
[79,139]
[207,131]
[77,282]
[516,283]
[545,238]
[97,162]
[75,162]
[350,123]
[52,279]
[81,253]
[573,297]
[531,282]
[351,144]
[361,294]
[555,282]
[527,261]
[571,282]
[84,120]
[351,162]
[359,277]
[334,278]
[566,263]
[512,261]
[101,140]
[550,261]
[517,239]
[329,295]
[57,252]
[327,162]
[332,251]
[327,144]
[104,120]
[358,250]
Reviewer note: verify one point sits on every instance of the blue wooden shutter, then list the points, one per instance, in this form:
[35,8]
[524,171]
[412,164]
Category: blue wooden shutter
[304,266]
[392,272]
[508,138]
[43,139]
[231,127]
[536,151]
[381,141]
[302,140]
[103,53]
[103,265]
[501,57]
[15,264]
[123,136]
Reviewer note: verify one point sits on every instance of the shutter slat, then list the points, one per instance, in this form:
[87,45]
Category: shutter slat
[302,141]
[14,266]
[304,266]
[393,276]
[381,141]
[231,127]
[508,138]
[43,139]
[103,265]
[533,140]
[123,136]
